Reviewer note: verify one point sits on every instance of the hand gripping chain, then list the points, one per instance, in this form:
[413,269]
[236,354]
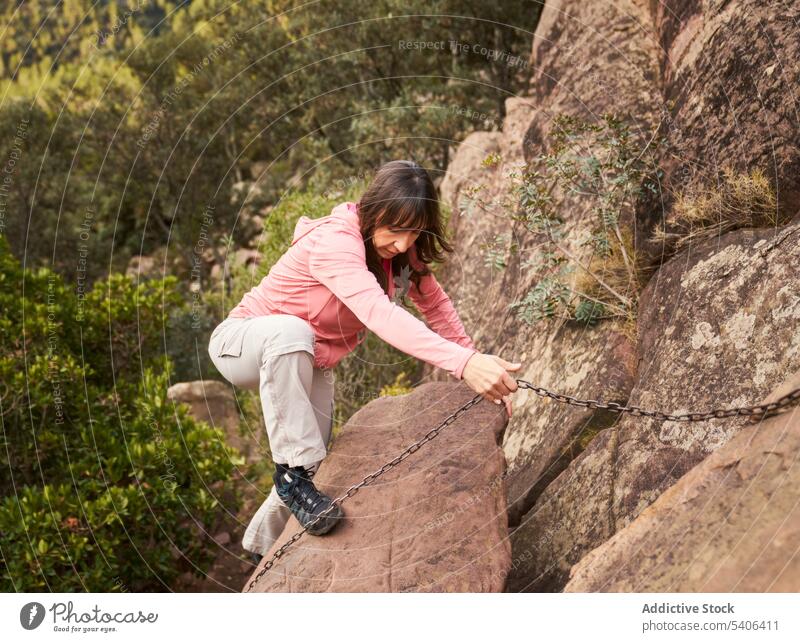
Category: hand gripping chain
[754,412]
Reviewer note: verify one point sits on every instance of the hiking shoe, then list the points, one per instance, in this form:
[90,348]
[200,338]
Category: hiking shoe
[297,491]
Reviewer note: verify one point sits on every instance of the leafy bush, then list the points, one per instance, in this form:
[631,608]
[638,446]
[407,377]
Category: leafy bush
[601,163]
[164,121]
[101,476]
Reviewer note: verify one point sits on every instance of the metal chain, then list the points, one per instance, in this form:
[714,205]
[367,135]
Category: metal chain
[751,411]
[762,410]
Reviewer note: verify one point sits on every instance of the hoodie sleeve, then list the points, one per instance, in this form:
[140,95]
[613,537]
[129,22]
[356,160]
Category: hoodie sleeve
[438,309]
[338,261]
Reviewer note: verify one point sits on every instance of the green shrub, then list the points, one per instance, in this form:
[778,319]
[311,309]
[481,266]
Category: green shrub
[101,476]
[603,166]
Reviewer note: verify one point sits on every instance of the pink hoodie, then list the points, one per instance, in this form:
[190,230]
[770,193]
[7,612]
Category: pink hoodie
[323,278]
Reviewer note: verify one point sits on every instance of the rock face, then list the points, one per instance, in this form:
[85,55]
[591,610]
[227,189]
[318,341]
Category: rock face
[731,524]
[581,72]
[436,522]
[729,80]
[718,329]
[717,322]
[718,326]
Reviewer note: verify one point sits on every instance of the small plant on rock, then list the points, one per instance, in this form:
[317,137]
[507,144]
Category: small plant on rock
[597,276]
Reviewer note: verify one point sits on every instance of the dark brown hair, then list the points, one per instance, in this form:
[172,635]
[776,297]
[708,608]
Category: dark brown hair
[402,194]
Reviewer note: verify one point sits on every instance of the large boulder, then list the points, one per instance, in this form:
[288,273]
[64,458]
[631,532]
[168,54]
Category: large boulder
[435,522]
[717,328]
[691,72]
[731,524]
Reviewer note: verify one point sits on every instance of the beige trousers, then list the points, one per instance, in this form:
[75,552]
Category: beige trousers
[275,355]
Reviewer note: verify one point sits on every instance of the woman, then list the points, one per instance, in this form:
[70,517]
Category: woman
[314,307]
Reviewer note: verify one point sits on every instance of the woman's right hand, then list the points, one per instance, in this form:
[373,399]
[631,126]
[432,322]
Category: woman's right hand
[487,374]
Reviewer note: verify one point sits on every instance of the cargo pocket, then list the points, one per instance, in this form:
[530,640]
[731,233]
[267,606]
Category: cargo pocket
[231,338]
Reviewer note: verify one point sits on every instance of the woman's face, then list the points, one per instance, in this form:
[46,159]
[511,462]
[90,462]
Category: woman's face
[391,240]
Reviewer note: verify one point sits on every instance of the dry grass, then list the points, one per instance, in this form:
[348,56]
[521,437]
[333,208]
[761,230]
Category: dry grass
[609,279]
[740,200]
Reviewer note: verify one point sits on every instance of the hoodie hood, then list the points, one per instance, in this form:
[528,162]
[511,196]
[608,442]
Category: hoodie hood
[345,212]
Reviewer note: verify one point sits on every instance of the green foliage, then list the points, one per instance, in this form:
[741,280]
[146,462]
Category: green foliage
[151,129]
[542,301]
[124,321]
[589,312]
[71,30]
[600,160]
[100,475]
[600,166]
[497,250]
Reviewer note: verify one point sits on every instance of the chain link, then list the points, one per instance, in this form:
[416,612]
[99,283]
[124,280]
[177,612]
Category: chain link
[760,411]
